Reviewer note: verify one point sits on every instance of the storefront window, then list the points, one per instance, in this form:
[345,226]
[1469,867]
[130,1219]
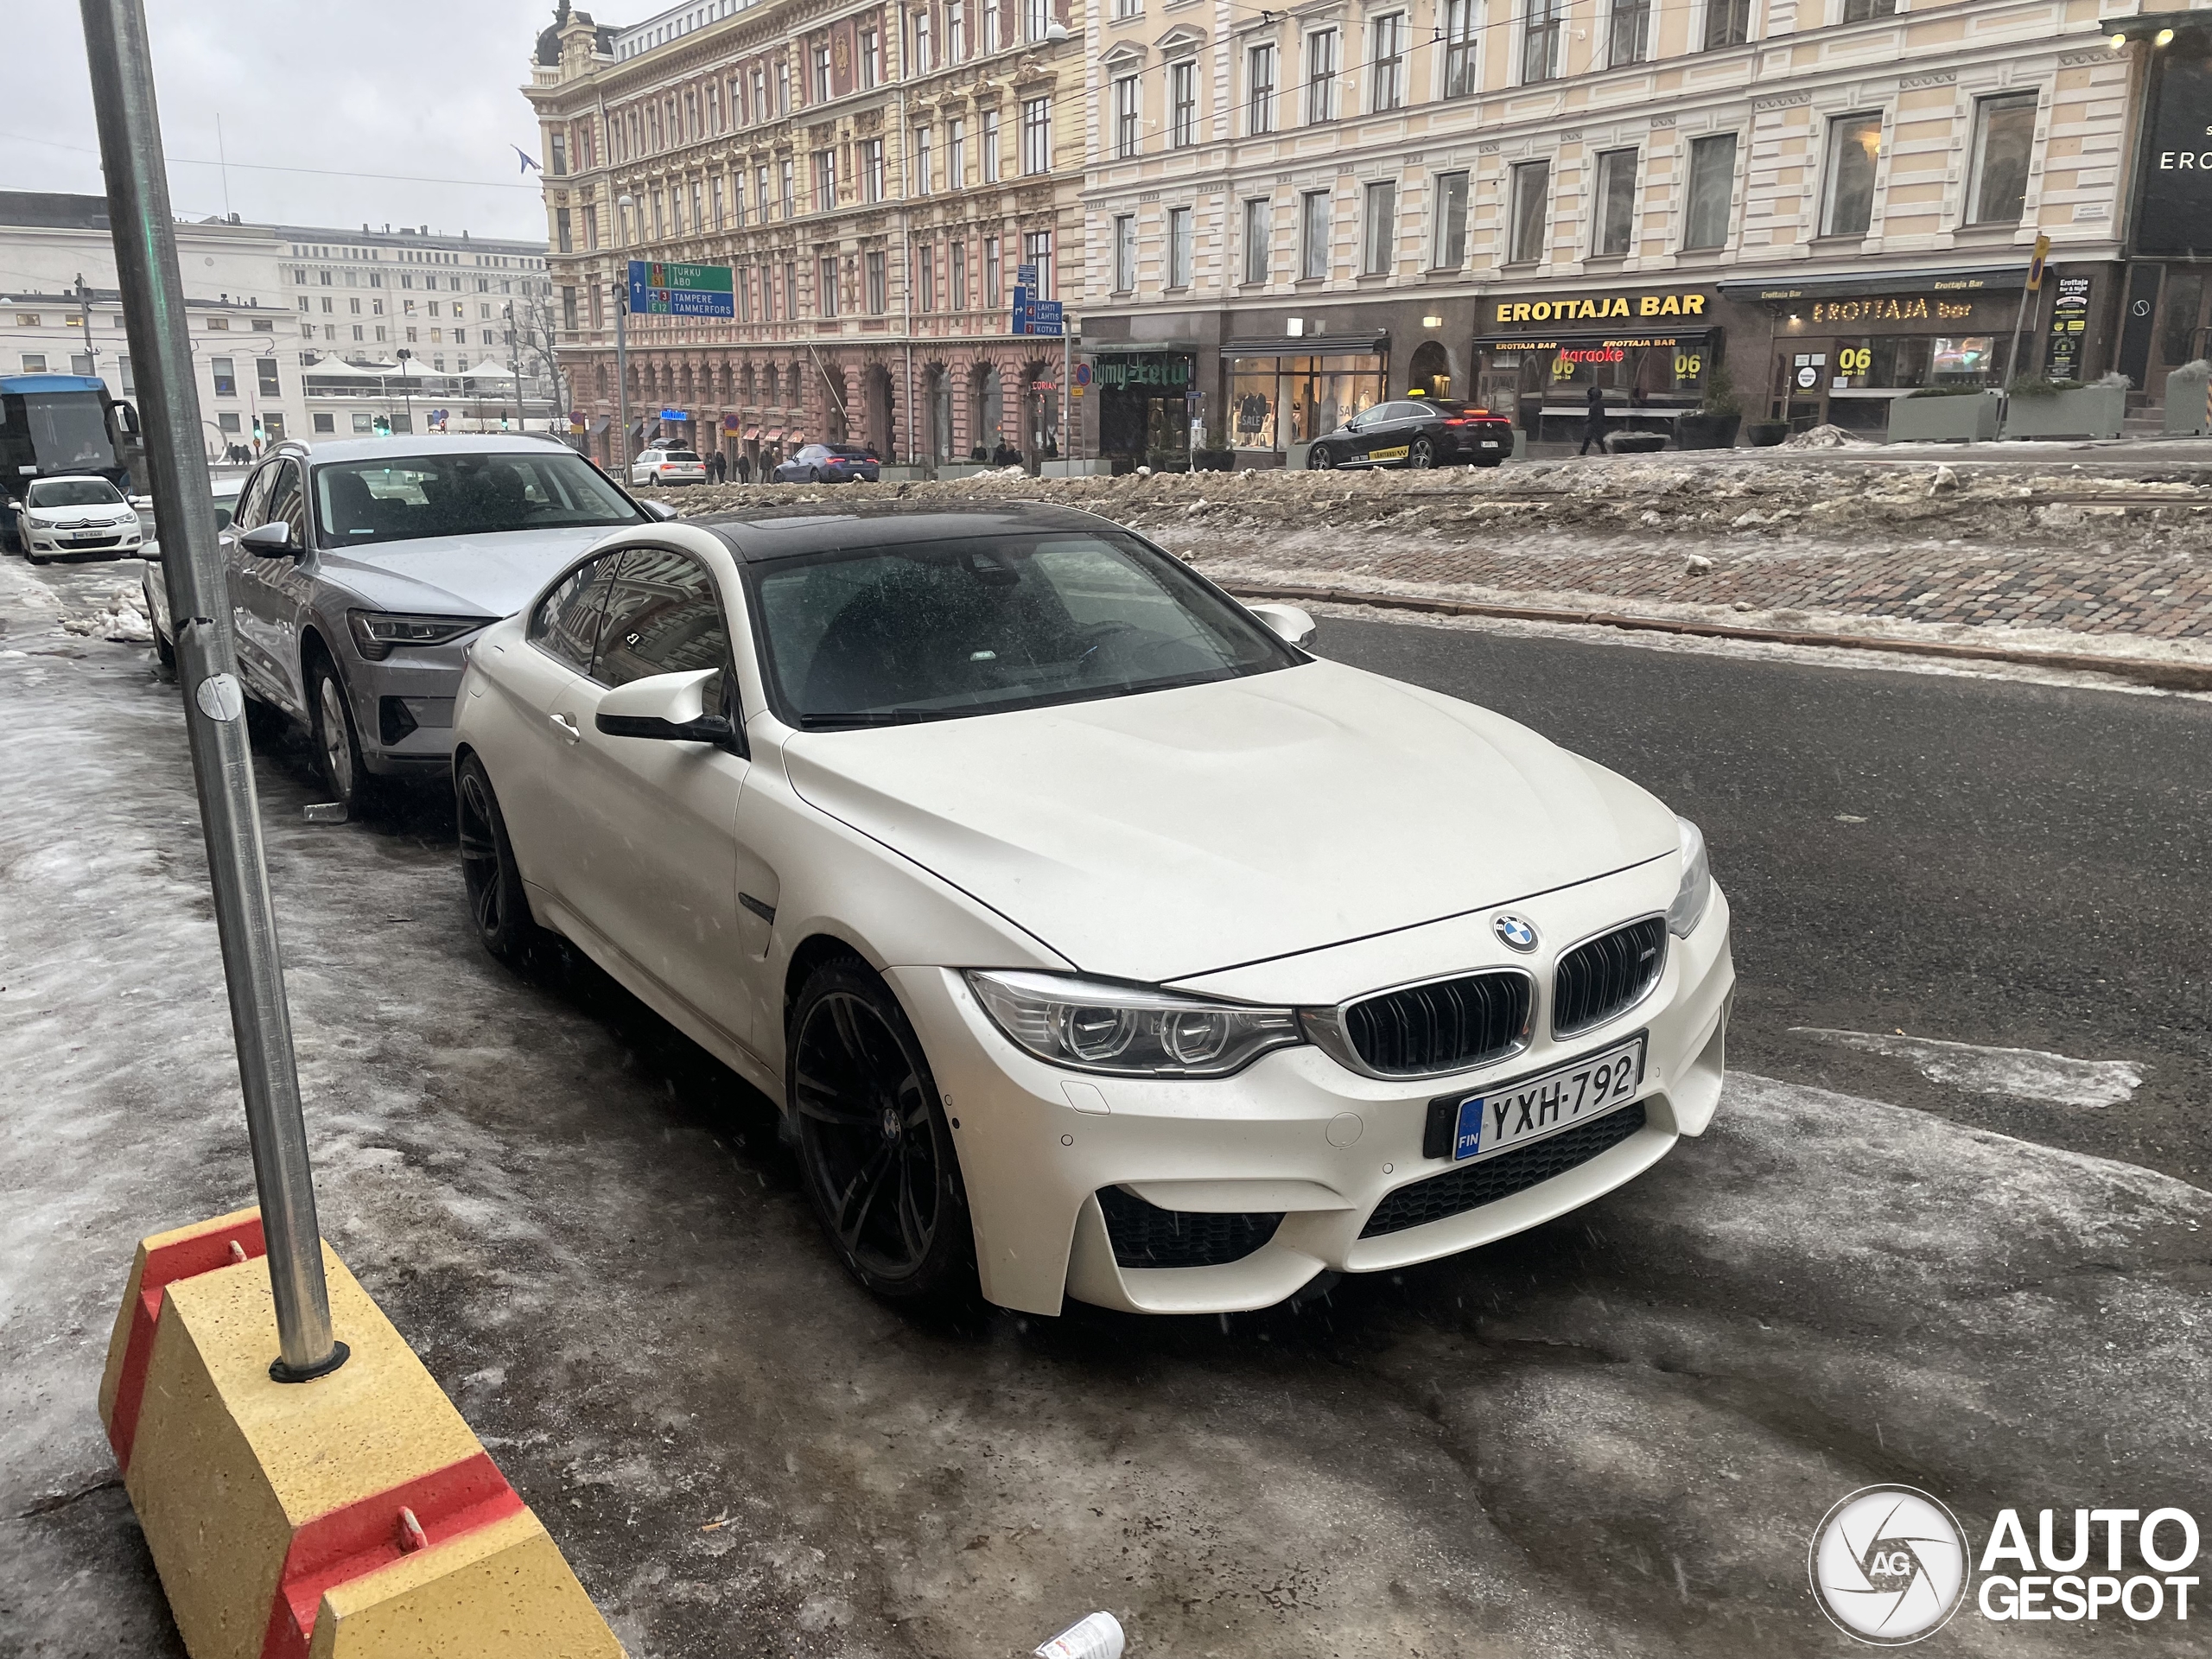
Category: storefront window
[1277,401]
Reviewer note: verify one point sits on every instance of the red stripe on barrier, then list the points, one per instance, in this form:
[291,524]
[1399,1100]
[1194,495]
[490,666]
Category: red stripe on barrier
[184,1258]
[351,1543]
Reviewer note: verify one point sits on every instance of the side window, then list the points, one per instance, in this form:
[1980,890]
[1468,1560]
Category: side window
[285,504]
[565,625]
[663,617]
[256,498]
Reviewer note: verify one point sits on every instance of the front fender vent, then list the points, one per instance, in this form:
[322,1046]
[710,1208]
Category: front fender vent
[1145,1235]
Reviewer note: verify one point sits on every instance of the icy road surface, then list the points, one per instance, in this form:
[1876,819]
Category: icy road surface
[1610,1437]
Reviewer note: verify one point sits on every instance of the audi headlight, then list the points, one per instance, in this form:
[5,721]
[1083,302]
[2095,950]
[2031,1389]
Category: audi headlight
[375,633]
[1130,1030]
[1695,892]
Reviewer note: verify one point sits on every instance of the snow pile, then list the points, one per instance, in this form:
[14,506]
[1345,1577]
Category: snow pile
[1823,438]
[122,618]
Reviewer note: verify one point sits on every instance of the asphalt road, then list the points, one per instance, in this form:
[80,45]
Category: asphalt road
[1612,1436]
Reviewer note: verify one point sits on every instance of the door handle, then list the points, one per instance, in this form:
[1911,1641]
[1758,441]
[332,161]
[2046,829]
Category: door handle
[566,725]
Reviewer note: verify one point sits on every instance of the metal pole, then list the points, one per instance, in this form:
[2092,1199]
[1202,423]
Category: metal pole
[214,707]
[622,383]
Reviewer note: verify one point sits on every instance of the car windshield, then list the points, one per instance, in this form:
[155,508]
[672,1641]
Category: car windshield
[404,497]
[74,493]
[937,630]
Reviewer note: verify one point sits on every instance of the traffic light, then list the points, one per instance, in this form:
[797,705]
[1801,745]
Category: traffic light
[380,425]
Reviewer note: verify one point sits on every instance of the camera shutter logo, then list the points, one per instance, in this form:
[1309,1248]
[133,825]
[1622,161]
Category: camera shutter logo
[1888,1566]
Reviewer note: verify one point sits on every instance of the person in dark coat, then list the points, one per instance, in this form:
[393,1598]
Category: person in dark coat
[1593,422]
[717,467]
[744,468]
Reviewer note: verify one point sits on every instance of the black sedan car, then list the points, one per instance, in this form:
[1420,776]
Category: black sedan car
[1415,432]
[830,463]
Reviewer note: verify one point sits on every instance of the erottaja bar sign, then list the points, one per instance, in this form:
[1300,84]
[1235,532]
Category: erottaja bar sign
[660,288]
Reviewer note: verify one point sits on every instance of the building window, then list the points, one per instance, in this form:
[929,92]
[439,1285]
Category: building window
[568,308]
[559,150]
[878,297]
[955,31]
[871,169]
[265,378]
[1037,134]
[825,179]
[1255,239]
[786,193]
[782,86]
[225,376]
[33,362]
[820,56]
[958,262]
[1854,145]
[363,422]
[956,152]
[924,57]
[994,274]
[1378,243]
[123,373]
[1183,103]
[992,31]
[228,421]
[991,150]
[1713,179]
[1616,201]
[1450,251]
[1727,22]
[591,236]
[790,287]
[1178,247]
[2004,137]
[1863,11]
[1386,61]
[920,161]
[871,64]
[1458,47]
[1125,9]
[326,423]
[1321,76]
[1037,250]
[1540,38]
[1260,89]
[825,285]
[928,277]
[1532,186]
[1313,235]
[1628,41]
[1128,116]
[80,363]
[715,195]
[1036,19]
[563,238]
[1125,253]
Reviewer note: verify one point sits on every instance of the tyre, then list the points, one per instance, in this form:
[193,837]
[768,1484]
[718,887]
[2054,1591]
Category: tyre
[875,1152]
[814,474]
[1319,459]
[498,906]
[163,650]
[337,744]
[1422,454]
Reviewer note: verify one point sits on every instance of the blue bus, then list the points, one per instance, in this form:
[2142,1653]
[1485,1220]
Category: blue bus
[56,423]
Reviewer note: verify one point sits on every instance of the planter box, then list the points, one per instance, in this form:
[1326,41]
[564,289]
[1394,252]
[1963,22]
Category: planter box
[1700,431]
[1944,420]
[2186,415]
[1295,457]
[1075,469]
[2092,412]
[1635,443]
[1764,434]
[946,469]
[904,475]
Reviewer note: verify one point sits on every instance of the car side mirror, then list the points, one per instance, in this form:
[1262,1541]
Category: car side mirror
[151,552]
[1286,622]
[671,708]
[659,512]
[271,541]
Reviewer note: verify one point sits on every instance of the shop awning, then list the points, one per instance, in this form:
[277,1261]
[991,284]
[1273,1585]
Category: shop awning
[752,434]
[1526,341]
[1995,279]
[771,435]
[1374,345]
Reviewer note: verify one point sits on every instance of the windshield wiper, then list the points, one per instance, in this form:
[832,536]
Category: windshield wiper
[869,717]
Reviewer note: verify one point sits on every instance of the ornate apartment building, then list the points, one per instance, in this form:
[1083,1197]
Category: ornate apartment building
[875,171]
[1290,213]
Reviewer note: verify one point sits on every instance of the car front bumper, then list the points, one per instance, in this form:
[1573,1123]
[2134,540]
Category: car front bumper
[404,708]
[121,542]
[1295,1134]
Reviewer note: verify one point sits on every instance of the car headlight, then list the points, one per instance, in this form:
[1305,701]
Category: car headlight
[1129,1030]
[375,633]
[1695,892]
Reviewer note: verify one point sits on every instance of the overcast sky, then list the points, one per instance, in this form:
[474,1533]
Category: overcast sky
[427,89]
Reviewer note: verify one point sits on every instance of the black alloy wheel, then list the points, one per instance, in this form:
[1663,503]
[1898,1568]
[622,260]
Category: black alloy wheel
[1422,455]
[497,904]
[873,1143]
[1319,459]
[337,744]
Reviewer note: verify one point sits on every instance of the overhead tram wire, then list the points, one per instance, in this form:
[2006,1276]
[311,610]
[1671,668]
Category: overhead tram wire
[317,172]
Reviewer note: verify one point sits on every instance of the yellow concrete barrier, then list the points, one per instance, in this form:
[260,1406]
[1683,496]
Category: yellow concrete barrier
[352,1517]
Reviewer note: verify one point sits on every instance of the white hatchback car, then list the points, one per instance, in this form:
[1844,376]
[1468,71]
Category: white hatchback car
[668,467]
[77,514]
[1088,930]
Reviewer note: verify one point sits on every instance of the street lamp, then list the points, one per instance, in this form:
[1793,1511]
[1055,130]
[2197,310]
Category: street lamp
[621,344]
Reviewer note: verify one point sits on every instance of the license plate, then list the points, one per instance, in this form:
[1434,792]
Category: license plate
[1531,1107]
[87,535]
[1490,443]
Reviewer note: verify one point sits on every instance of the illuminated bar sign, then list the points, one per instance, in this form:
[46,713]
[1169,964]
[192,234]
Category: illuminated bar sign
[1601,308]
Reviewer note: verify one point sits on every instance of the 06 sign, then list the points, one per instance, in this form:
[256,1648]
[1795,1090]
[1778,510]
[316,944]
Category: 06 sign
[1854,360]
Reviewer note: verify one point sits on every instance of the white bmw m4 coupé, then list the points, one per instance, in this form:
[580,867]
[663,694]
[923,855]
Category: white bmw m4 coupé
[1095,939]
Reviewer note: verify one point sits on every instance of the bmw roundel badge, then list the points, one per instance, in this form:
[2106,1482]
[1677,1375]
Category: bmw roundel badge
[1518,932]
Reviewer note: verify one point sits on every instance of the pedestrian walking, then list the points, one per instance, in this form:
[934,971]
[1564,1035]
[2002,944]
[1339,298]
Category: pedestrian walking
[1593,422]
[717,467]
[744,468]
